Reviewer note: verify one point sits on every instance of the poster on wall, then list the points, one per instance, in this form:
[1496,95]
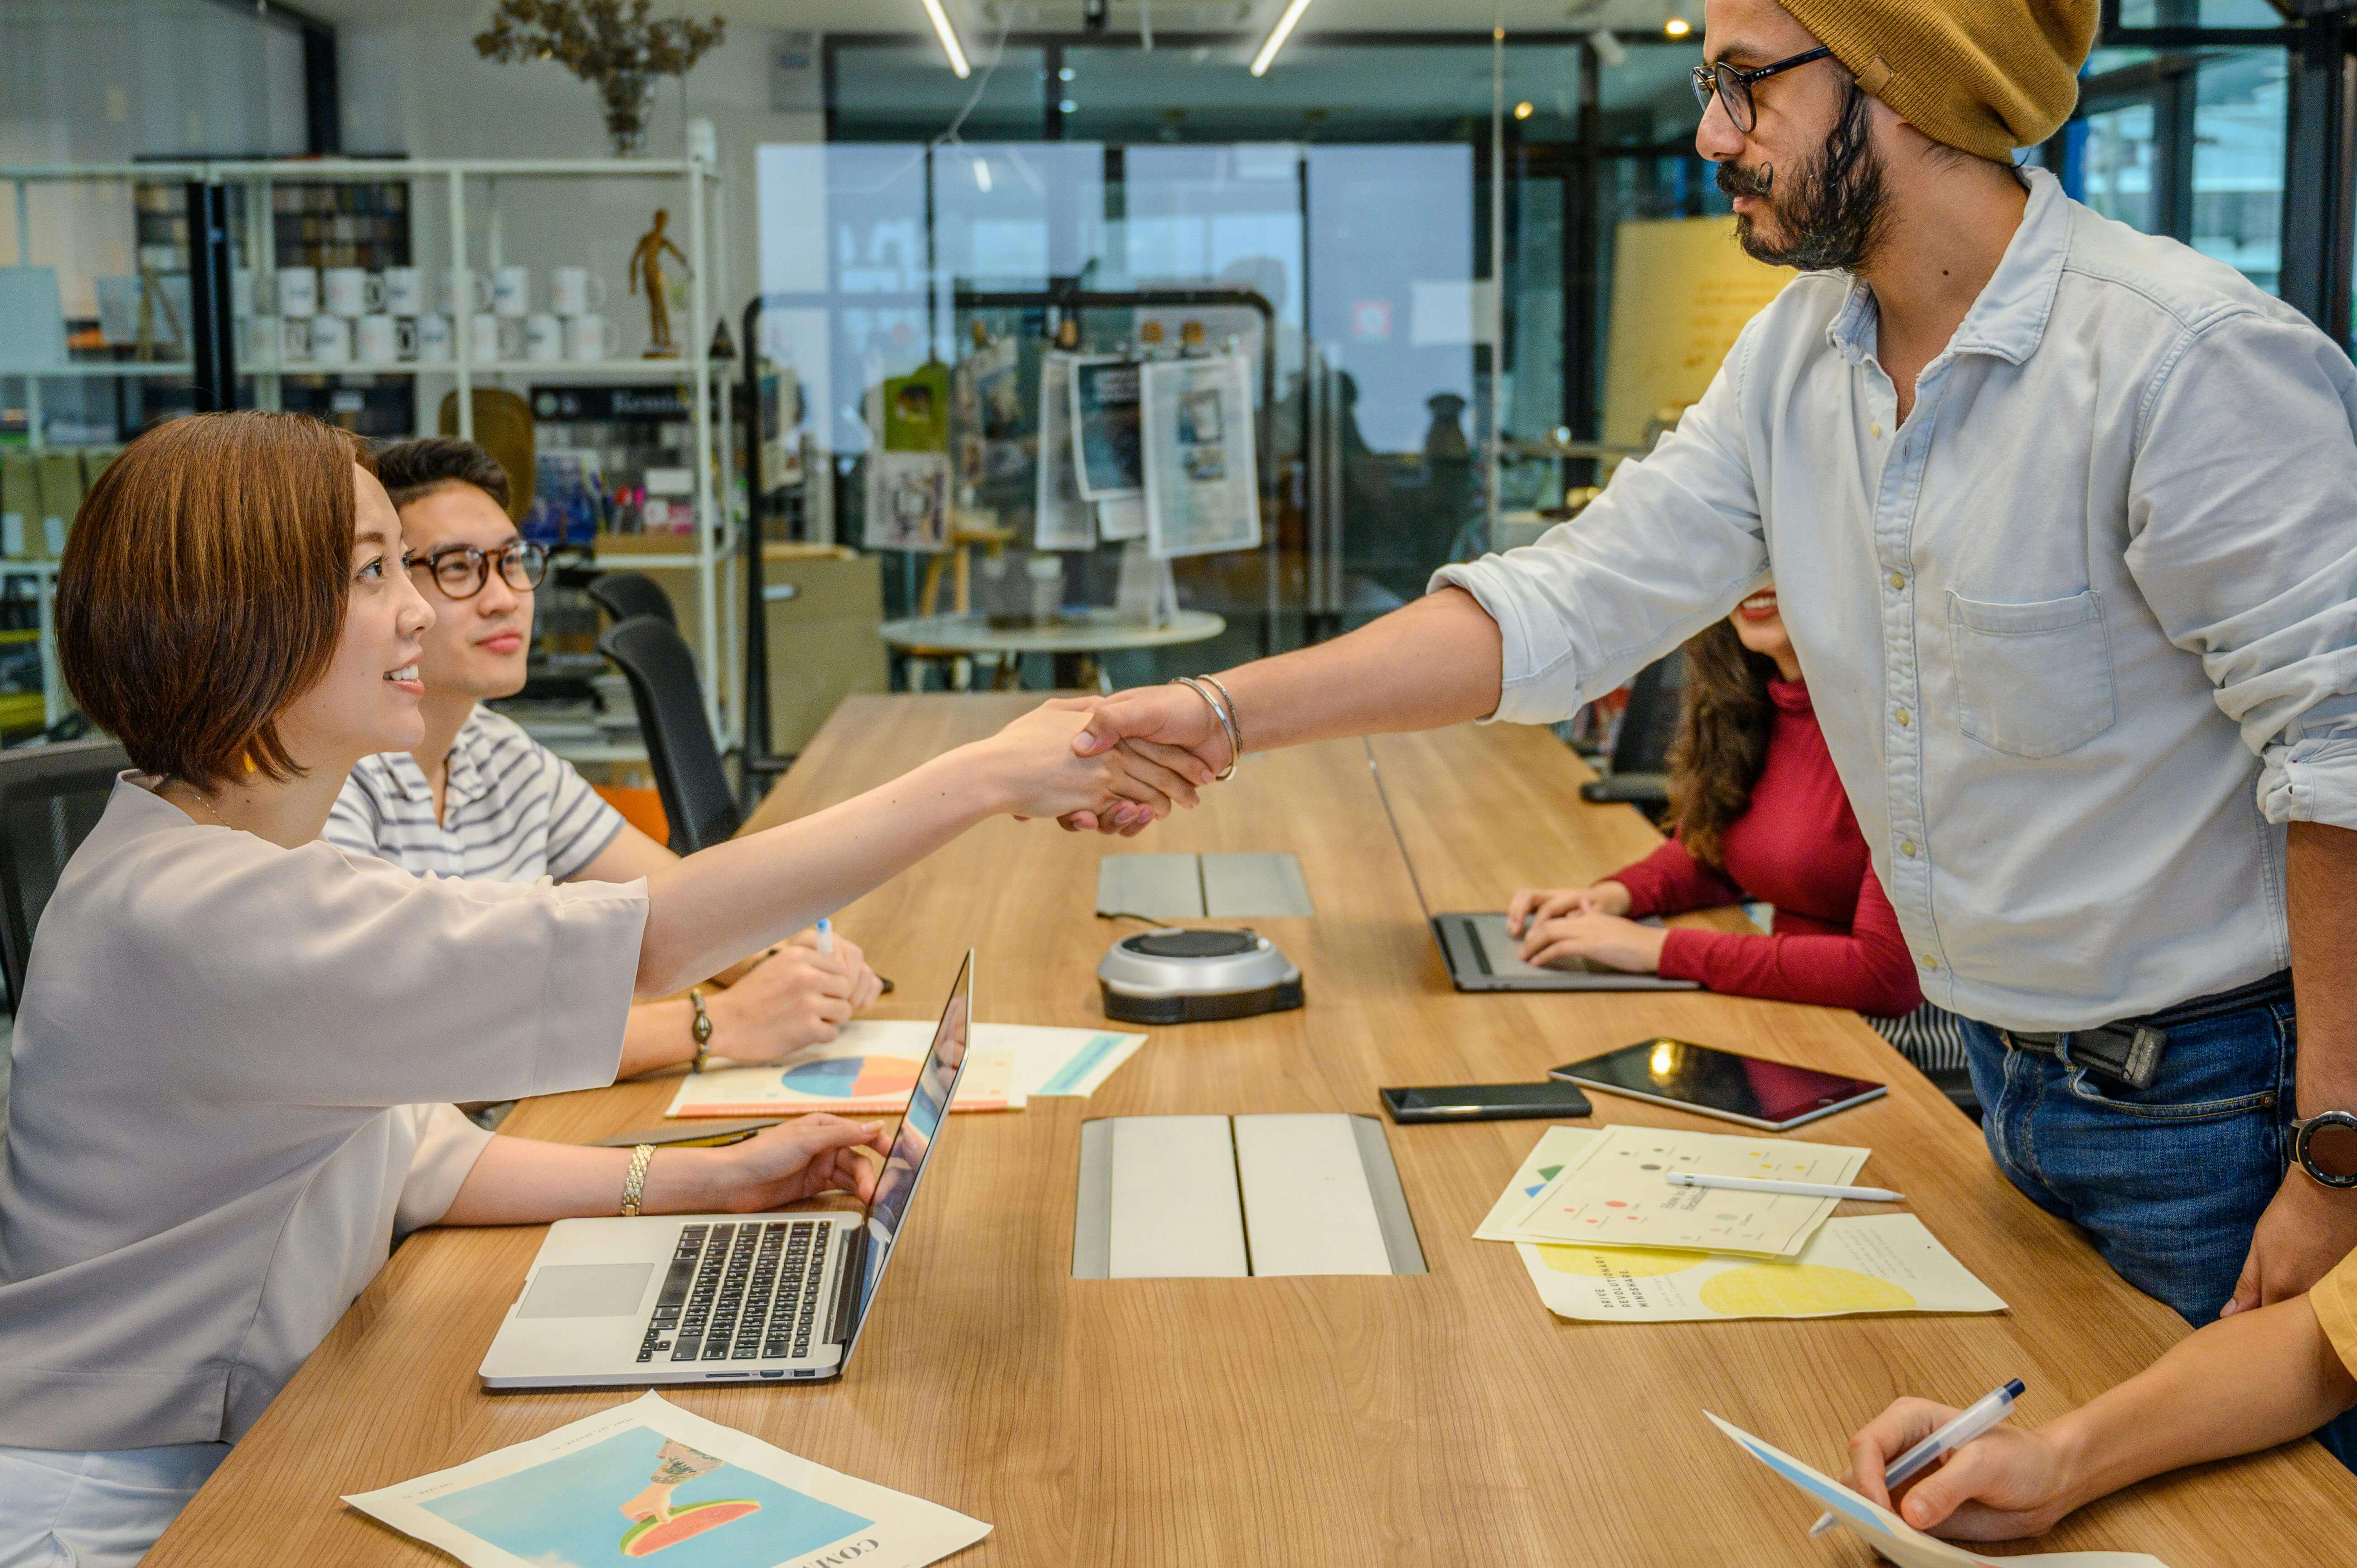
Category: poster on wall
[1064,518]
[908,499]
[1202,486]
[1104,427]
[987,411]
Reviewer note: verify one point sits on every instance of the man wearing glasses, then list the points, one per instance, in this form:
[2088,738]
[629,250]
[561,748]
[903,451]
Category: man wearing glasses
[480,797]
[2066,511]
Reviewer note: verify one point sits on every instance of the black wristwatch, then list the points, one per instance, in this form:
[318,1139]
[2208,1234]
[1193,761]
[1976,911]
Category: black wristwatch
[2325,1146]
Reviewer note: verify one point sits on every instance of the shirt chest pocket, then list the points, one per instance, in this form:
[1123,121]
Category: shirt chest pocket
[2032,680]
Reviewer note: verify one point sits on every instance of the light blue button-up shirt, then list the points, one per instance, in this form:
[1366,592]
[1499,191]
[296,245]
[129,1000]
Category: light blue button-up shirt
[2082,633]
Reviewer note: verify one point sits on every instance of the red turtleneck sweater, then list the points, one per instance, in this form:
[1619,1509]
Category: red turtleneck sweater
[1835,942]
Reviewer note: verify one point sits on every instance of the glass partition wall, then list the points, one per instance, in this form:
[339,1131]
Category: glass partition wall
[1360,189]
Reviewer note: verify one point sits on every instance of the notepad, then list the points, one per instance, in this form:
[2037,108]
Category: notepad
[1200,886]
[1220,1196]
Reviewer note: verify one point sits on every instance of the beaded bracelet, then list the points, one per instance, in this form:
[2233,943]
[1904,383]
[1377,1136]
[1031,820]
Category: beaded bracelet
[634,1184]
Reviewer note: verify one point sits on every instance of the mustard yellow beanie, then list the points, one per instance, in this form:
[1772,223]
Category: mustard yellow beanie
[1987,76]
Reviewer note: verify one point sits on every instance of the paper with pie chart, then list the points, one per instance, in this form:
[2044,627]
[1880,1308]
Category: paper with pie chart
[1617,1193]
[850,1076]
[1867,1264]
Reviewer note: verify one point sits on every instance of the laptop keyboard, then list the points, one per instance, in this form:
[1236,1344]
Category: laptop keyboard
[740,1293]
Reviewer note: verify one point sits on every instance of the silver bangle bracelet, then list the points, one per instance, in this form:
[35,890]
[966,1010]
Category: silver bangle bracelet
[1235,724]
[1227,725]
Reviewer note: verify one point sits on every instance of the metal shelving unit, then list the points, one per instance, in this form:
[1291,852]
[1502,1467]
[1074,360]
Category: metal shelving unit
[216,372]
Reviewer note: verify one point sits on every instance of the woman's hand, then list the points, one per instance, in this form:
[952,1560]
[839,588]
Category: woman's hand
[795,1160]
[2005,1484]
[1606,938]
[797,997]
[1032,765]
[1546,903]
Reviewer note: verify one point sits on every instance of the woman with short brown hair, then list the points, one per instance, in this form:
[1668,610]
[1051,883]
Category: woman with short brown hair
[237,1042]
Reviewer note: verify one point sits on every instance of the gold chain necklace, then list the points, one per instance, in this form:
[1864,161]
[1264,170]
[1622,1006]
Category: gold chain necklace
[201,800]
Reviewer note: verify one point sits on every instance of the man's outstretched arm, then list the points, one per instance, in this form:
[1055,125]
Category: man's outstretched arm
[1438,661]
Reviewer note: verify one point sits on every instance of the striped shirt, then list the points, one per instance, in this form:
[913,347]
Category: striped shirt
[513,810]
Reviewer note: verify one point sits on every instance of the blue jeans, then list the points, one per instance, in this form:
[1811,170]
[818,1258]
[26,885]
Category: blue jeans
[2169,1181]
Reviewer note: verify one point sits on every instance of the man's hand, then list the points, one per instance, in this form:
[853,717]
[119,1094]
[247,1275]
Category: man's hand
[1606,938]
[1167,727]
[2306,1229]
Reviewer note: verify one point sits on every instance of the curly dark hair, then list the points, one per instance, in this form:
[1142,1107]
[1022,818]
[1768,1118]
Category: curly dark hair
[1723,728]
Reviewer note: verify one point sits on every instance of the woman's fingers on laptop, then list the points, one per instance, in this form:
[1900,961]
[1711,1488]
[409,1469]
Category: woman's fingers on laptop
[810,1154]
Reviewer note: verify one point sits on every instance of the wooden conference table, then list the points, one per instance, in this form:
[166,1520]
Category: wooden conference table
[1442,1418]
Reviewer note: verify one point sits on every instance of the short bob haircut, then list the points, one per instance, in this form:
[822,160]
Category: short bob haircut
[203,589]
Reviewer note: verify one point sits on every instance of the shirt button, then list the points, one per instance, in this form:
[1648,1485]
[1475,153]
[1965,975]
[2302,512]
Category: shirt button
[1901,716]
[1898,579]
[1908,849]
[1875,430]
[1928,961]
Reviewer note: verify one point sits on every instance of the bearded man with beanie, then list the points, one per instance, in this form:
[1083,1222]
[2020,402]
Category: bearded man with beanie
[2065,511]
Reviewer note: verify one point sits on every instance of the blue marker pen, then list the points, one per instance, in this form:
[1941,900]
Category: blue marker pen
[1978,1417]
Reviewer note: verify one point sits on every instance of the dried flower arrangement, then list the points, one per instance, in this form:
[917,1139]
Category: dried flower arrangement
[612,47]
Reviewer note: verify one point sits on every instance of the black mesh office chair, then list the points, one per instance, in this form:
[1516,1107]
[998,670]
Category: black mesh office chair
[1641,752]
[627,595]
[51,797]
[696,800]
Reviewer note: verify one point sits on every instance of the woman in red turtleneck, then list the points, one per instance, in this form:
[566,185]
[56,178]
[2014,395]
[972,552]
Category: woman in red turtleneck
[1760,815]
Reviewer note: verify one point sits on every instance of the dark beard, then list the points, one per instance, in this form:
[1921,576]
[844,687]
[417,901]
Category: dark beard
[1834,210]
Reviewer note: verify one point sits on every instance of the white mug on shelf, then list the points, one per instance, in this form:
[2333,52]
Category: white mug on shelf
[297,289]
[575,291]
[351,292]
[463,291]
[331,340]
[490,336]
[382,340]
[433,339]
[511,291]
[404,291]
[589,337]
[260,340]
[543,338]
[294,340]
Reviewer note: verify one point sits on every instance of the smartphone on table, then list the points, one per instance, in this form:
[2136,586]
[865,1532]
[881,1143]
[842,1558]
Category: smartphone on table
[1484,1102]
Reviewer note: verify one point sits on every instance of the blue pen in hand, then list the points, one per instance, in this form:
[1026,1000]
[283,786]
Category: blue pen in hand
[1978,1418]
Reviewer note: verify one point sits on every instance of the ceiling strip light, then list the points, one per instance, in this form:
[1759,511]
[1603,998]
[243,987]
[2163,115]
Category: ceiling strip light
[948,34]
[1276,36]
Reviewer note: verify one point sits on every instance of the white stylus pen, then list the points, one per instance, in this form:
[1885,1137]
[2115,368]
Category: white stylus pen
[825,935]
[1791,1189]
[1976,1418]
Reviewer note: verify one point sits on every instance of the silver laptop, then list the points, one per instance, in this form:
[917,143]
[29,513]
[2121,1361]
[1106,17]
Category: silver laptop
[1482,955]
[706,1298]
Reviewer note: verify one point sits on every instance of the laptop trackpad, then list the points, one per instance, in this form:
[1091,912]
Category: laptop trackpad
[585,1290]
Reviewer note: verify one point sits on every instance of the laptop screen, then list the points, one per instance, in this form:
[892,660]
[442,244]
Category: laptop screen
[920,1124]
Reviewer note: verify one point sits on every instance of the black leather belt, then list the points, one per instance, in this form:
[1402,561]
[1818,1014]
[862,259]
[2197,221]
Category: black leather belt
[2130,1049]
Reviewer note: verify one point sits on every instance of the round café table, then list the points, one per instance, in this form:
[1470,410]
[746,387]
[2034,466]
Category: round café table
[1075,640]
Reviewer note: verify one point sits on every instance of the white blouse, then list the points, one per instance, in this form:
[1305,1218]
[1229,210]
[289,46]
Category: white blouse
[232,1068]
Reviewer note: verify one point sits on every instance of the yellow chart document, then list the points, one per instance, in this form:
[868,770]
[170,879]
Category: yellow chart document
[1875,1263]
[1619,1193]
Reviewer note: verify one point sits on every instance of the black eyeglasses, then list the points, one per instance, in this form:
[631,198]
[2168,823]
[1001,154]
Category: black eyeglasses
[461,570]
[1733,87]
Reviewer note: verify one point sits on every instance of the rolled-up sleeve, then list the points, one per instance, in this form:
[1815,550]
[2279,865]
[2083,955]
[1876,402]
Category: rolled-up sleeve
[2252,565]
[447,1147]
[1669,546]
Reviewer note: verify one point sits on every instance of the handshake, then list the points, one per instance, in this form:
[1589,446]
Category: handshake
[1110,765]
